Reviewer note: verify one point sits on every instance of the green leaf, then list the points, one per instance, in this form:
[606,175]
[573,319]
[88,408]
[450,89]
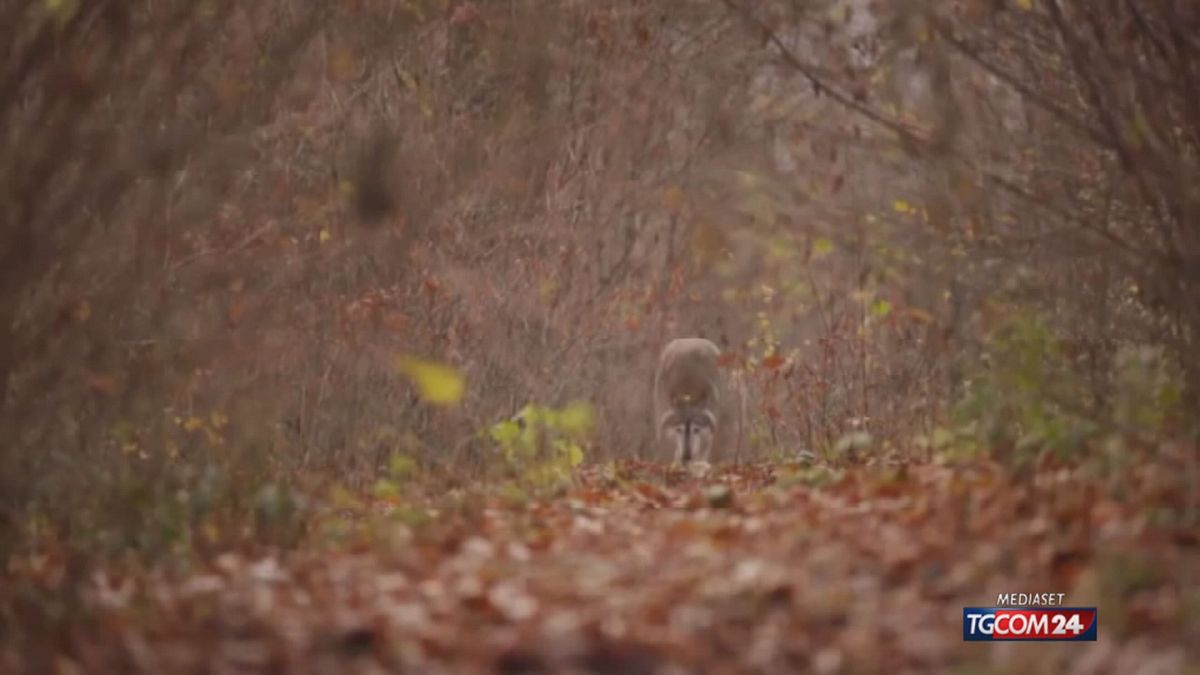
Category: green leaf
[822,246]
[942,437]
[401,466]
[506,432]
[386,489]
[62,10]
[531,415]
[881,308]
[574,454]
[576,419]
[439,384]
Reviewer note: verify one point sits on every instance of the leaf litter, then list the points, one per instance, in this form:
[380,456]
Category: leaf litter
[641,569]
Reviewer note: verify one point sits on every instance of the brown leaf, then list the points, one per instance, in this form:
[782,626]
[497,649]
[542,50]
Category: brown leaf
[102,383]
[773,362]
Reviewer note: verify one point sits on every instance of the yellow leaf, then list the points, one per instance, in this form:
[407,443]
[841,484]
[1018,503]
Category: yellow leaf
[901,206]
[193,423]
[325,235]
[920,315]
[343,498]
[407,78]
[673,199]
[576,418]
[439,384]
[709,242]
[548,289]
[386,489]
[574,455]
[1025,4]
[780,249]
[343,63]
[505,432]
[401,466]
[822,247]
[62,9]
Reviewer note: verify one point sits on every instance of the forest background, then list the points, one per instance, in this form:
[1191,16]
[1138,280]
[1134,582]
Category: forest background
[254,254]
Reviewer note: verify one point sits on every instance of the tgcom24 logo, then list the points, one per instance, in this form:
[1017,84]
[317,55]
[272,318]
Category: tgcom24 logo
[1030,617]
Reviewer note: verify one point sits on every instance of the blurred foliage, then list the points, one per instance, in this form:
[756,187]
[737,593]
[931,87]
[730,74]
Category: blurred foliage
[437,383]
[543,446]
[1027,397]
[1148,390]
[270,272]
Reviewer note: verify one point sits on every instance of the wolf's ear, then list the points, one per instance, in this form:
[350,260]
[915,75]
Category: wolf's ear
[674,416]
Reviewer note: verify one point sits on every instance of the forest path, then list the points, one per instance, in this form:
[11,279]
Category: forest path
[639,570]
